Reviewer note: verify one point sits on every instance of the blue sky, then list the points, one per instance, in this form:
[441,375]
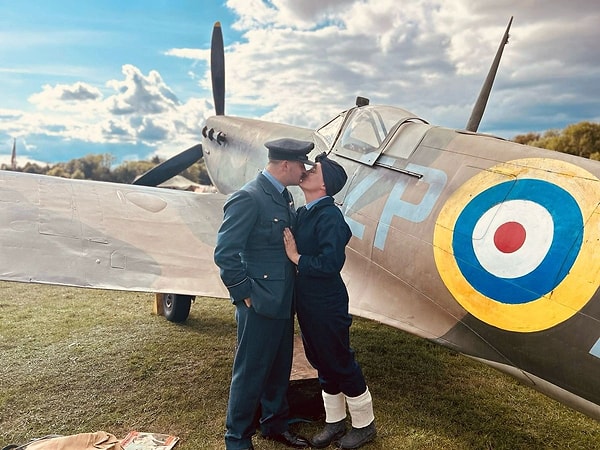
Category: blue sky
[130,78]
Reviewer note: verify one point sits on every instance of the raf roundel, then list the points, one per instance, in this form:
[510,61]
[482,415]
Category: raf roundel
[510,244]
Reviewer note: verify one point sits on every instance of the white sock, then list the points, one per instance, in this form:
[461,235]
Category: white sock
[335,407]
[361,409]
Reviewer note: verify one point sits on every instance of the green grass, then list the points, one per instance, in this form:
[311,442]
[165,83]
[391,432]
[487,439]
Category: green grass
[76,360]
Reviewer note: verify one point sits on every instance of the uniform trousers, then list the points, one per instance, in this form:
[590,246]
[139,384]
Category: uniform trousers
[325,325]
[261,372]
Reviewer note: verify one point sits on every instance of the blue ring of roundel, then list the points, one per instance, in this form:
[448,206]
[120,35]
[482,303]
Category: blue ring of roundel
[566,242]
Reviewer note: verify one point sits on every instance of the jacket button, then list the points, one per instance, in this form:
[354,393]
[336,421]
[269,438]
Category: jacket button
[265,276]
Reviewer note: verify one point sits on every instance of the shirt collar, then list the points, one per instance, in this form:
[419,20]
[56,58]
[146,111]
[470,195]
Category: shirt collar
[314,202]
[280,187]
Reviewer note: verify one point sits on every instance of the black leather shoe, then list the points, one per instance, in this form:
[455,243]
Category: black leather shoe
[289,439]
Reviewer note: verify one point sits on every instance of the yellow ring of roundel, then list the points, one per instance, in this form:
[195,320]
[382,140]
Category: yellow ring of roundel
[576,288]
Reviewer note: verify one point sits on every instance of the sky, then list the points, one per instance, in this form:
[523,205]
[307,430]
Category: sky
[131,77]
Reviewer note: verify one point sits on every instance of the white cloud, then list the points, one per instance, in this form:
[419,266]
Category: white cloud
[62,94]
[252,13]
[136,109]
[139,94]
[190,53]
[303,62]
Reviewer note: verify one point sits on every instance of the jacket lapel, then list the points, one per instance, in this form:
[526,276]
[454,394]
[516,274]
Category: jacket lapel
[277,197]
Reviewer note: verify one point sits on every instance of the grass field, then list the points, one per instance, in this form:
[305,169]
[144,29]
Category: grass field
[76,360]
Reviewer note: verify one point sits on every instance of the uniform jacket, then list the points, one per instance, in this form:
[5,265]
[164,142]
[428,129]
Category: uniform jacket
[250,251]
[321,236]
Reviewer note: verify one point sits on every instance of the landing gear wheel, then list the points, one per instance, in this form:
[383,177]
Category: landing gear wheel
[176,307]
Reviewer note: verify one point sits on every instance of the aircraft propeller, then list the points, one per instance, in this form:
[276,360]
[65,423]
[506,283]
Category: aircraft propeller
[217,69]
[484,94]
[171,167]
[178,163]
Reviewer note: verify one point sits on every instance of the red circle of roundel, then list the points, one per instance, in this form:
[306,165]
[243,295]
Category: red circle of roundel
[509,237]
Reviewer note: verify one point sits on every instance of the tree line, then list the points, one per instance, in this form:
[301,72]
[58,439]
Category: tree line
[100,168]
[580,139]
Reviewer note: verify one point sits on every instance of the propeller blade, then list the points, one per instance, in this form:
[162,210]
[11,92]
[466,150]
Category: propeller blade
[217,69]
[484,94]
[171,167]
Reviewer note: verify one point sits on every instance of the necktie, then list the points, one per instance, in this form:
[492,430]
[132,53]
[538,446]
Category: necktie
[290,202]
[288,198]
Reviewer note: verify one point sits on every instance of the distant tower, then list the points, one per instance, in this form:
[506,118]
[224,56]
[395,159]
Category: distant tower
[13,157]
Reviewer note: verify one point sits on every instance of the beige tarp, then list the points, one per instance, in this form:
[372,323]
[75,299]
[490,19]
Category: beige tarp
[85,441]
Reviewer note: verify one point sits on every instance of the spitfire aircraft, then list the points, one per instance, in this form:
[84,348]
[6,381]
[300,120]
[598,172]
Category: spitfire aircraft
[481,245]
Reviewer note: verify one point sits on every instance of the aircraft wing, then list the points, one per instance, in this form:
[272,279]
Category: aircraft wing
[108,235]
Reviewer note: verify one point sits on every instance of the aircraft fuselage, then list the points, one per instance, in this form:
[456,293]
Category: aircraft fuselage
[479,244]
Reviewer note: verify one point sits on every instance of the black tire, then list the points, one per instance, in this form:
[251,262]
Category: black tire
[176,307]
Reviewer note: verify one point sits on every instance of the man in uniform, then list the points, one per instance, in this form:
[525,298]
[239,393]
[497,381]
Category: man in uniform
[259,276]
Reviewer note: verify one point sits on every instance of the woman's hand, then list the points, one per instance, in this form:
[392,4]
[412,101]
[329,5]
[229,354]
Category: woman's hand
[290,246]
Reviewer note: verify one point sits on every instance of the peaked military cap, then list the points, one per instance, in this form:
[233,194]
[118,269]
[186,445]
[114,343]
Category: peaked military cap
[289,149]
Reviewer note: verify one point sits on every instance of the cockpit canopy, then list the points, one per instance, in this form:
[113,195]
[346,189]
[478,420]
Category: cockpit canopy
[362,133]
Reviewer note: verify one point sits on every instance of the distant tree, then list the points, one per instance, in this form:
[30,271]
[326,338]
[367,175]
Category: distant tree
[90,167]
[78,174]
[197,173]
[526,139]
[58,170]
[99,168]
[580,139]
[128,171]
[35,168]
[95,167]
